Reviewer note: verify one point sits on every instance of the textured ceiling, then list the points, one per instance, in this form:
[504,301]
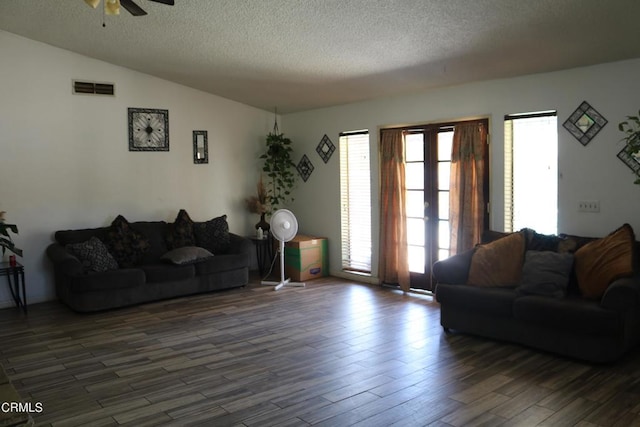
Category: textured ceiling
[303,54]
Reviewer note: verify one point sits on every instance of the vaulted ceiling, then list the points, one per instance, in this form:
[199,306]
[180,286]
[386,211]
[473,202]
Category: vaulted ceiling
[304,54]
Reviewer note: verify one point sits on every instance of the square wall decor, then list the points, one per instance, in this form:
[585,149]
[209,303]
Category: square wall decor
[148,129]
[630,159]
[305,167]
[325,148]
[585,123]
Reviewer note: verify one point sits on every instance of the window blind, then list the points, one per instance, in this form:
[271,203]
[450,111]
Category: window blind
[355,200]
[530,171]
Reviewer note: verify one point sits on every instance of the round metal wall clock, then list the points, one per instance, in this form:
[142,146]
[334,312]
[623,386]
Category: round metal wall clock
[148,129]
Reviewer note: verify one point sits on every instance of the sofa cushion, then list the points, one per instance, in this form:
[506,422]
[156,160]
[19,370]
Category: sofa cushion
[155,273]
[181,233]
[545,273]
[93,254]
[221,263]
[108,280]
[213,235]
[155,232]
[600,262]
[65,237]
[572,313]
[186,255]
[498,263]
[125,244]
[498,301]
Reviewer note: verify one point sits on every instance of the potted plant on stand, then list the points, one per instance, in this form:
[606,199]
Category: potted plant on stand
[5,238]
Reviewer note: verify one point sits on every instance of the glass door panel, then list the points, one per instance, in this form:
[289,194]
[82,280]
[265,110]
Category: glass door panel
[428,166]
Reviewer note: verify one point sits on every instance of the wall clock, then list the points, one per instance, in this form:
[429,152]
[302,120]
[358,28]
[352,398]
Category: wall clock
[148,129]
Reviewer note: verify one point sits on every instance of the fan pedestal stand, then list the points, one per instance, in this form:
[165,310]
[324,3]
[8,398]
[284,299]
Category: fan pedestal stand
[283,282]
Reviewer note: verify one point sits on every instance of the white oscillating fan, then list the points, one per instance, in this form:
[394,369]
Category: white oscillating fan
[284,227]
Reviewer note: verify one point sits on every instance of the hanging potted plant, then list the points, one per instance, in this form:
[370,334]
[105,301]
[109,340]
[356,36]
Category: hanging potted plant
[5,238]
[631,129]
[279,168]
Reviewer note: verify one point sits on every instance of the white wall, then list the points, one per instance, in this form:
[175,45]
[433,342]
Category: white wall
[586,173]
[65,164]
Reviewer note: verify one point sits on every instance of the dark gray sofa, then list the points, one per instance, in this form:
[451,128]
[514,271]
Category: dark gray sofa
[151,279]
[595,330]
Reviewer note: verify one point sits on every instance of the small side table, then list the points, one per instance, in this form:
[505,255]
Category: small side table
[17,284]
[264,252]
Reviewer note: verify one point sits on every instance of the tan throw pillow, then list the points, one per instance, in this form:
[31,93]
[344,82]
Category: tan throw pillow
[498,263]
[602,261]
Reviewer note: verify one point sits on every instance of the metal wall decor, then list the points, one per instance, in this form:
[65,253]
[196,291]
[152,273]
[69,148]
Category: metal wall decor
[148,129]
[630,159]
[305,167]
[200,147]
[584,123]
[325,148]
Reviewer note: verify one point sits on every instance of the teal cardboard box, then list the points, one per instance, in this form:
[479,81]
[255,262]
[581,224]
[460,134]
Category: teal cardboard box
[305,258]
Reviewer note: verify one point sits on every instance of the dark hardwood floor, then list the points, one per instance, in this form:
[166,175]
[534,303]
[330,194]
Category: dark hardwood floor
[335,353]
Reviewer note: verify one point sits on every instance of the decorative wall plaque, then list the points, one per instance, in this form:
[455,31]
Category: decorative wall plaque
[305,167]
[584,123]
[200,147]
[148,129]
[630,159]
[325,148]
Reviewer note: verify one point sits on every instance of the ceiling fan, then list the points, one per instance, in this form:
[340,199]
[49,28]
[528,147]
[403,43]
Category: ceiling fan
[112,7]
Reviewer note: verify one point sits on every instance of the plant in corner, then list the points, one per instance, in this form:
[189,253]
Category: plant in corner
[631,129]
[279,168]
[5,238]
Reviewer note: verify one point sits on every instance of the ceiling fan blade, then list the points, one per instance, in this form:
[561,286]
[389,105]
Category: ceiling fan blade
[132,8]
[169,2]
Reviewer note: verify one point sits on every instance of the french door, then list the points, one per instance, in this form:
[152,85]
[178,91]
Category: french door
[428,173]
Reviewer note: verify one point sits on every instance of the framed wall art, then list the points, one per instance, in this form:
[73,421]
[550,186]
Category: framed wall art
[305,168]
[325,148]
[200,147]
[148,129]
[584,123]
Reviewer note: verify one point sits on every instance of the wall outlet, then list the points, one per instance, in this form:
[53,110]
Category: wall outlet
[592,206]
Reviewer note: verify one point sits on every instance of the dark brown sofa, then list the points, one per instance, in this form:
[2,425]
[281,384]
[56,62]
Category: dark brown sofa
[599,329]
[151,277]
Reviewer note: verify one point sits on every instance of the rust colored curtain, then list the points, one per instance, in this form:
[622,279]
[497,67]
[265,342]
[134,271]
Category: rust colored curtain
[393,265]
[467,205]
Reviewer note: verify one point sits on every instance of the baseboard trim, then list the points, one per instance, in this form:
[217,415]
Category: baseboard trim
[356,277]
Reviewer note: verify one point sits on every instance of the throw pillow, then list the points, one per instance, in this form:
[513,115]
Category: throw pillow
[186,255]
[540,242]
[498,263]
[181,232]
[600,262]
[125,244]
[93,255]
[545,273]
[213,235]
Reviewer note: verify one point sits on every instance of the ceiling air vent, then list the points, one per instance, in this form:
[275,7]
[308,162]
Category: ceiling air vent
[92,88]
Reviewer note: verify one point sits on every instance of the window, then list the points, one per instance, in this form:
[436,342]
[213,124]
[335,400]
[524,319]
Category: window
[355,199]
[531,172]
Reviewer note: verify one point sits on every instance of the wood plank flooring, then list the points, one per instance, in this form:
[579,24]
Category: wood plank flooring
[335,353]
